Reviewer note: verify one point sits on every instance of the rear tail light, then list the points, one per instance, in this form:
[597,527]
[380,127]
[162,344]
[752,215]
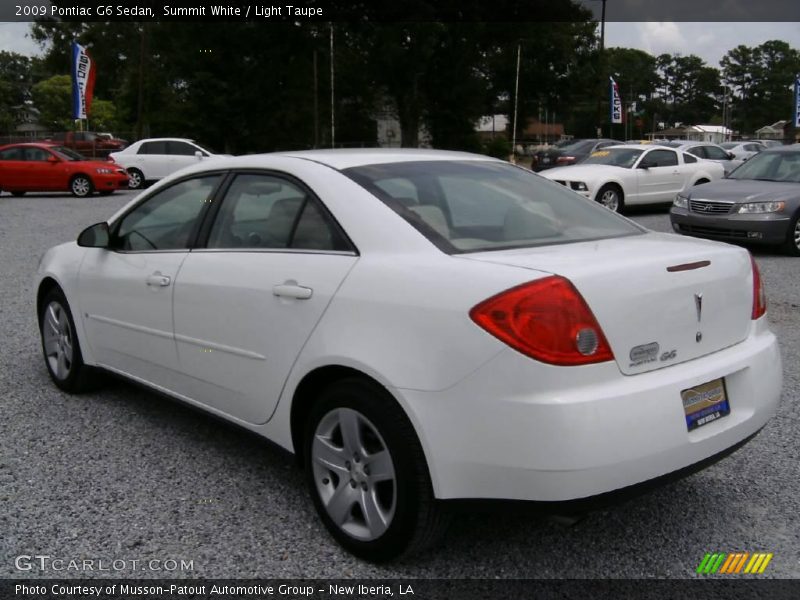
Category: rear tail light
[546,319]
[759,296]
[565,159]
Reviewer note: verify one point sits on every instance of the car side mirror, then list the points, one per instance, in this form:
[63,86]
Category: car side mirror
[52,159]
[198,154]
[731,155]
[645,164]
[94,236]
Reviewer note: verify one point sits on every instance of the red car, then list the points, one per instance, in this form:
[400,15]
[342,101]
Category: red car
[45,167]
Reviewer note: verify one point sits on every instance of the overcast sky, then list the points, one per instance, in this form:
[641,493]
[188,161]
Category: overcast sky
[710,41]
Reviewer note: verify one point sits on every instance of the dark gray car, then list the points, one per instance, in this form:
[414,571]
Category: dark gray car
[758,202]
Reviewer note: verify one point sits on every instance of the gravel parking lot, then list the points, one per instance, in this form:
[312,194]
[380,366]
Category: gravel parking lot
[123,474]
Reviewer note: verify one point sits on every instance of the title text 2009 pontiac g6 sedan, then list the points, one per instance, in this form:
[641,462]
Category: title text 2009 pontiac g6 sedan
[419,326]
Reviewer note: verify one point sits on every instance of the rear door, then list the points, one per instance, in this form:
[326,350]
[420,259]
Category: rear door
[246,304]
[12,168]
[153,160]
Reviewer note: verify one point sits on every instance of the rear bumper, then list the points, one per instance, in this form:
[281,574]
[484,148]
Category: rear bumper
[550,434]
[600,501]
[770,228]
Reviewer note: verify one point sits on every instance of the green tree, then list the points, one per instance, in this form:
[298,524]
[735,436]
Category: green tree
[760,79]
[53,98]
[16,78]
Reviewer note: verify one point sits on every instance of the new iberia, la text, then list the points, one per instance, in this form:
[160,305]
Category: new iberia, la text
[282,590]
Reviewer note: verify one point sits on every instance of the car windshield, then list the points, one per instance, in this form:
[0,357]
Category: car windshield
[66,153]
[617,157]
[472,206]
[578,147]
[770,166]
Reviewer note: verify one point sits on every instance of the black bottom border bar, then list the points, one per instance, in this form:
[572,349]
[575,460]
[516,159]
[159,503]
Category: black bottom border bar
[417,589]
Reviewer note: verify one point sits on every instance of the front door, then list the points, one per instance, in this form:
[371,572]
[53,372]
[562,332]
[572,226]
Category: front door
[127,290]
[662,179]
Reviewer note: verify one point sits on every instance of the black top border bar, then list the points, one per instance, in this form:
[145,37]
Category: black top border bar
[265,11]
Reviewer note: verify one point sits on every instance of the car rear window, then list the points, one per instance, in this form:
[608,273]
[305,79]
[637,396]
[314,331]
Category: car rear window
[475,206]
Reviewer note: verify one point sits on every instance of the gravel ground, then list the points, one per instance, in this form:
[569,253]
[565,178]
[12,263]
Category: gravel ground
[122,474]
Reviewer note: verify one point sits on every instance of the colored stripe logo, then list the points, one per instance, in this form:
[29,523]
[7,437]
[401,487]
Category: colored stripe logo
[731,564]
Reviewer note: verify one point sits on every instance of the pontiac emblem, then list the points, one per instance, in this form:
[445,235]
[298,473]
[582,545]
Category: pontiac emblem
[698,304]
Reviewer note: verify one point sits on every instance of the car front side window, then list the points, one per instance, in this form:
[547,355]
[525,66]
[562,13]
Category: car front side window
[168,219]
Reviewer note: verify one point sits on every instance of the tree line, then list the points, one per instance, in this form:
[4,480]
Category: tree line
[245,87]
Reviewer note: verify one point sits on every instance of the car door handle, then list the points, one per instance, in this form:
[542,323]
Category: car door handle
[292,290]
[157,279]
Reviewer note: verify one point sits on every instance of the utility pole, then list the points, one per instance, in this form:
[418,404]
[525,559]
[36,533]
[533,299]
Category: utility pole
[316,103]
[140,91]
[516,99]
[333,120]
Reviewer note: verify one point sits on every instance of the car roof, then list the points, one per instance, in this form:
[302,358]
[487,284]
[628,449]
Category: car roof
[31,145]
[640,146]
[164,139]
[346,158]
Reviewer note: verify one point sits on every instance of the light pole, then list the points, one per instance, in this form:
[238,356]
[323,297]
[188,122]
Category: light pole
[516,99]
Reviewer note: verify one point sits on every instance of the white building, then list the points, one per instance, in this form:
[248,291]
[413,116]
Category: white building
[716,134]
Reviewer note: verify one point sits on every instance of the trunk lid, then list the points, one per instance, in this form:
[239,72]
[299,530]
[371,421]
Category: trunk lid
[654,296]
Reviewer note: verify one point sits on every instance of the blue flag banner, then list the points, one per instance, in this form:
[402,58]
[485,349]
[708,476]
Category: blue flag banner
[83,72]
[797,101]
[615,102]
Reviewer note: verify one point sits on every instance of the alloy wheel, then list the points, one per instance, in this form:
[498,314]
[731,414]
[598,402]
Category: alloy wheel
[610,199]
[135,179]
[354,474]
[81,186]
[58,340]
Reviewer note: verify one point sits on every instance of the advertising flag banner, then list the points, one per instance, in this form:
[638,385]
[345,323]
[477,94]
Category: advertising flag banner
[797,101]
[83,72]
[616,103]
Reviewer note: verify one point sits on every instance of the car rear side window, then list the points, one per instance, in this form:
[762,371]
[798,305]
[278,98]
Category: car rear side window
[467,206]
[271,212]
[11,154]
[688,158]
[168,218]
[715,153]
[153,148]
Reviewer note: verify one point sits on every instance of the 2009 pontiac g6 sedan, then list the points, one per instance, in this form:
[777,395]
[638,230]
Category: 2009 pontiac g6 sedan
[419,326]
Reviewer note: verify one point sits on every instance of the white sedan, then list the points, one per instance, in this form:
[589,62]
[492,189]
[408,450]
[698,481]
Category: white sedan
[632,174]
[419,326]
[155,158]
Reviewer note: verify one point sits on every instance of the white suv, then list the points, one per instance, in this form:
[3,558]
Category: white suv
[155,158]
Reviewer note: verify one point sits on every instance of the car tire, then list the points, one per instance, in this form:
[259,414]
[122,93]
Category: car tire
[18,194]
[135,179]
[700,182]
[81,186]
[60,346]
[611,196]
[792,244]
[377,516]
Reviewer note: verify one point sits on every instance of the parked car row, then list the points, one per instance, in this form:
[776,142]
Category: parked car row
[51,166]
[628,174]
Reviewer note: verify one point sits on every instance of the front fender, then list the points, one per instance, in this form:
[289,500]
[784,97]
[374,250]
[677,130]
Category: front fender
[61,265]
